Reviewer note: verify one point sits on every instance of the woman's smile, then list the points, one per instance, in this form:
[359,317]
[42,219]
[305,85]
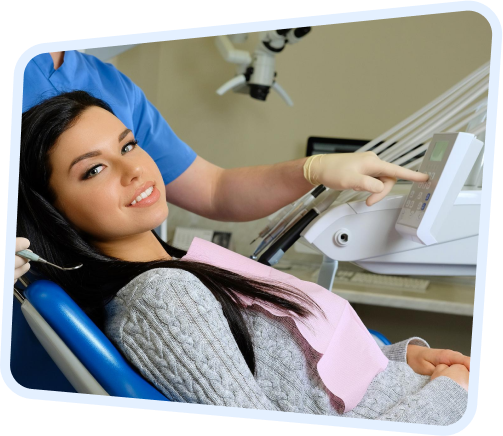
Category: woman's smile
[146,197]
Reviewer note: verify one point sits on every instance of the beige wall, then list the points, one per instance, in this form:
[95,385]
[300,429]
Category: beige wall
[350,80]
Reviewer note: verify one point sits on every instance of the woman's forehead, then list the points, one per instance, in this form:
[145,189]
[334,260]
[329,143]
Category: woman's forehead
[94,128]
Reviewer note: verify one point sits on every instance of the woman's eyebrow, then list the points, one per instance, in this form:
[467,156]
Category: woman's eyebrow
[124,134]
[96,152]
[84,156]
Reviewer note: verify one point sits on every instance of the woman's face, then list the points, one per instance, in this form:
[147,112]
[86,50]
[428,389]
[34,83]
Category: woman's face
[98,176]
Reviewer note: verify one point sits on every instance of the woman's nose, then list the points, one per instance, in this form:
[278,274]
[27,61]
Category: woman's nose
[130,172]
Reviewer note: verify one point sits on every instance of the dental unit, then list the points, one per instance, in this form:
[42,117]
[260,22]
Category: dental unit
[377,238]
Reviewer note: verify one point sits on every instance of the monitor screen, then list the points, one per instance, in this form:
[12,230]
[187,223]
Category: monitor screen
[319,145]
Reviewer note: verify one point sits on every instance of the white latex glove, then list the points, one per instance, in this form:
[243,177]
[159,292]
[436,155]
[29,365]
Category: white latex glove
[21,265]
[360,172]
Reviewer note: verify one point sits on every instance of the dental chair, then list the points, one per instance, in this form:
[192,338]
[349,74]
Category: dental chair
[85,356]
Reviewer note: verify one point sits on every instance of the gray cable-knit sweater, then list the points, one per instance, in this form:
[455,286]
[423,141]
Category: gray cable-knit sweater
[172,329]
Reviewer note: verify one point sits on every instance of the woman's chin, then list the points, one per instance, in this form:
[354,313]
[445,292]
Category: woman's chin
[129,228]
[159,219]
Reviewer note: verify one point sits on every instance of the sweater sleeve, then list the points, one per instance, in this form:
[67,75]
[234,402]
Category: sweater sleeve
[441,402]
[173,330]
[398,351]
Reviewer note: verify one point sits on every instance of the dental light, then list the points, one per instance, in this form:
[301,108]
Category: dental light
[256,74]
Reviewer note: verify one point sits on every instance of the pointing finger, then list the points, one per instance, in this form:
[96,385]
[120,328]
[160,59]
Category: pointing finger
[413,176]
[398,172]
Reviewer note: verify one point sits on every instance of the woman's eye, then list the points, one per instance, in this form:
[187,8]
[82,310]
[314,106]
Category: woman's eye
[128,147]
[94,171]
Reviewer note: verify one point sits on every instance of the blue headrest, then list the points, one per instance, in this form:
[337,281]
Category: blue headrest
[88,342]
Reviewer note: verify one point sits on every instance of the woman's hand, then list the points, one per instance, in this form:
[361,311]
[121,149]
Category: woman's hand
[458,373]
[21,265]
[358,171]
[425,360]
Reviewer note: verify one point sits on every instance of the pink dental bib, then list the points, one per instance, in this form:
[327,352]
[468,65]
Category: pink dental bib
[350,356]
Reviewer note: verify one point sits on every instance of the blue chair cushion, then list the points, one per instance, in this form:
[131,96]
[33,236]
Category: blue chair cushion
[380,336]
[88,342]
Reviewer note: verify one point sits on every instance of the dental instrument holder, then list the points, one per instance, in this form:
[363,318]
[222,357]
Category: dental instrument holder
[448,162]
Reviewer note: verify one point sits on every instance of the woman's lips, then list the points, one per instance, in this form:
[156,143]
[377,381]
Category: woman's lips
[151,199]
[141,189]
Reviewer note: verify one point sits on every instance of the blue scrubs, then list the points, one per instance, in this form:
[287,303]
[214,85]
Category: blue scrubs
[84,72]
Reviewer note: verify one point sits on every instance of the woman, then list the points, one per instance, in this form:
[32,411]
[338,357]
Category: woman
[200,333]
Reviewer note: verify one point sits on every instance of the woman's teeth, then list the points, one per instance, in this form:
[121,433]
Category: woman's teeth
[143,195]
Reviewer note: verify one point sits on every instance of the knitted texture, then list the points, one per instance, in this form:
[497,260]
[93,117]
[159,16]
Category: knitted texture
[172,329]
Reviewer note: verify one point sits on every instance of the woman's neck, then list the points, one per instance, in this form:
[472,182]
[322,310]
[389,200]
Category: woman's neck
[143,247]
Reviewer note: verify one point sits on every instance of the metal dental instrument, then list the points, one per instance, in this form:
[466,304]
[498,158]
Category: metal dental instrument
[27,254]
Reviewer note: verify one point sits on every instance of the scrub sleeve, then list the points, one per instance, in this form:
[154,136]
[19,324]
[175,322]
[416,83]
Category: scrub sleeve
[87,73]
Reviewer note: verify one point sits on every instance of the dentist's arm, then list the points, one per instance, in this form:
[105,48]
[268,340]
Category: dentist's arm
[248,193]
[239,194]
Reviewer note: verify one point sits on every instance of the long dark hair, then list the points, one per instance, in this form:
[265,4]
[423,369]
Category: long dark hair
[55,239]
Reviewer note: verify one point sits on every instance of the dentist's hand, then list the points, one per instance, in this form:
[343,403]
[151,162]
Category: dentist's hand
[425,360]
[358,171]
[21,265]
